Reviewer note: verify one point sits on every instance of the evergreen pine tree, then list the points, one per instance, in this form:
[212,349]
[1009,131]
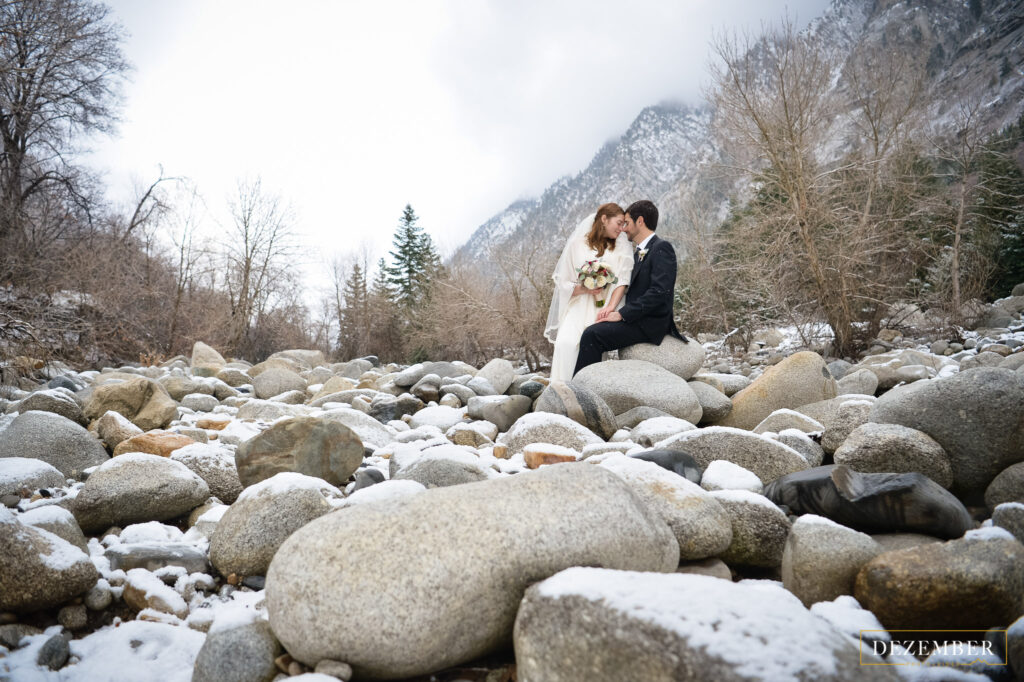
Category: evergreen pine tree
[354,323]
[415,262]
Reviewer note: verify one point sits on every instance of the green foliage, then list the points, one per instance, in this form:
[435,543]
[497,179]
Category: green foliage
[415,263]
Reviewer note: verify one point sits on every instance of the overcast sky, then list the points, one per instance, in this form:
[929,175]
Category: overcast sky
[349,109]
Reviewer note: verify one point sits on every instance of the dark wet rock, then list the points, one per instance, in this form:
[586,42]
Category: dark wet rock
[873,503]
[675,461]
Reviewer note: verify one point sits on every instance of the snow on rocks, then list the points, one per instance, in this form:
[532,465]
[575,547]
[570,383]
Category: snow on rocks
[26,472]
[54,439]
[137,487]
[38,569]
[768,459]
[723,475]
[602,625]
[546,427]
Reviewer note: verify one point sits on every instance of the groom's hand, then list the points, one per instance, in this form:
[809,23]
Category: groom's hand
[612,316]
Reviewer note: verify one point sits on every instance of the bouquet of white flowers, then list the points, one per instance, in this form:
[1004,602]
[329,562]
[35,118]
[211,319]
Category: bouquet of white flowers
[596,274]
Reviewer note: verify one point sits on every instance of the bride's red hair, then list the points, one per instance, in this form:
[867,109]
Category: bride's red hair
[596,238]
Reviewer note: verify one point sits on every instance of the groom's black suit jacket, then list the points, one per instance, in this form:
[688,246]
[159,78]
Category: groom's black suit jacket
[651,292]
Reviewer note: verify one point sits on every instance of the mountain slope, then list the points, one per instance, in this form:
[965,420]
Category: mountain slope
[974,50]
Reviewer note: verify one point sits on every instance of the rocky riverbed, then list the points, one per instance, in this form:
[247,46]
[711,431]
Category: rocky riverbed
[676,513]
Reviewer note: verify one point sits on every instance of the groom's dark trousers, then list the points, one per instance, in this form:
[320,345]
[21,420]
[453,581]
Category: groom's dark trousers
[647,312]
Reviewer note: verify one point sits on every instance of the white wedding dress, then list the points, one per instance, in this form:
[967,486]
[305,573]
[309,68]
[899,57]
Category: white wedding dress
[570,315]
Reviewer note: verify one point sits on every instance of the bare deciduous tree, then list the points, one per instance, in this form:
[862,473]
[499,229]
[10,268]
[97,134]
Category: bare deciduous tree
[826,222]
[61,68]
[260,245]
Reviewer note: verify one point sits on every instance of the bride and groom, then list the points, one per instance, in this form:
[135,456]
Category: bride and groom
[639,309]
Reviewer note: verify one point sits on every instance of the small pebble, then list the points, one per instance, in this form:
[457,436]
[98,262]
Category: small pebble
[73,617]
[54,653]
[343,671]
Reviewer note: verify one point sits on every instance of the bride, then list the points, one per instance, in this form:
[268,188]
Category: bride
[573,306]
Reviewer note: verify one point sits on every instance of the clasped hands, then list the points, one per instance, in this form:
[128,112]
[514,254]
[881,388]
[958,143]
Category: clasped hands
[606,314]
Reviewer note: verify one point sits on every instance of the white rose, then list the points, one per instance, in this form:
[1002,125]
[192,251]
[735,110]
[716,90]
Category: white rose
[601,281]
[589,282]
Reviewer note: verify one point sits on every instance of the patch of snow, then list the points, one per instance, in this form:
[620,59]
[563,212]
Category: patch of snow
[61,554]
[16,469]
[762,630]
[723,475]
[287,481]
[142,650]
[151,531]
[990,533]
[550,449]
[151,586]
[847,615]
[386,490]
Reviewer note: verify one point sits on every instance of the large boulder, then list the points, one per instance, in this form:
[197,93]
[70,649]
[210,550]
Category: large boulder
[701,525]
[579,404]
[821,558]
[625,384]
[363,585]
[546,427]
[27,472]
[977,416]
[144,402]
[263,517]
[890,447]
[766,458]
[38,569]
[799,379]
[54,439]
[313,446]
[975,582]
[594,625]
[275,381]
[682,358]
[135,488]
[873,503]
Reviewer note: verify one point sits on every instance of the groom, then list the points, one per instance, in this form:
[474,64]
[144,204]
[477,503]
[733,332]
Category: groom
[646,316]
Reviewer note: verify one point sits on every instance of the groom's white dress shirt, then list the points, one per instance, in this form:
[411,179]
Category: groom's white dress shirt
[643,245]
